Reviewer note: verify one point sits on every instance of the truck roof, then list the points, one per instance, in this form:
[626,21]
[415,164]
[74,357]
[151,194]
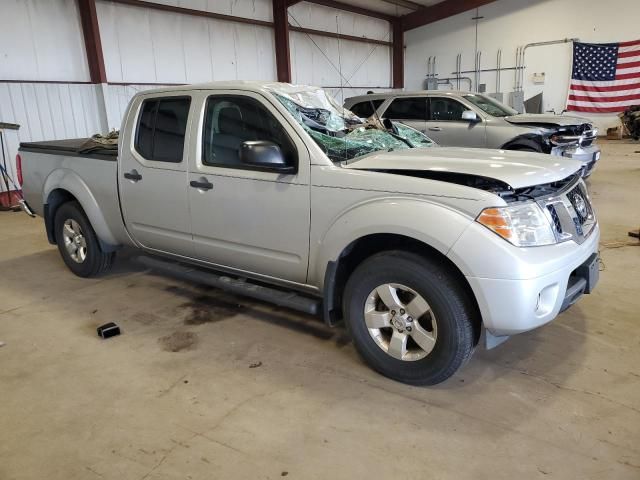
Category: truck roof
[246,85]
[414,93]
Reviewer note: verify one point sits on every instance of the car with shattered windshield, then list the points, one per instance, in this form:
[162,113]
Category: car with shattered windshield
[275,192]
[465,119]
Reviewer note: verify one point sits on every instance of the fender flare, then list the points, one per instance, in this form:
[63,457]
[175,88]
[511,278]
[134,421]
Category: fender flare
[69,181]
[435,225]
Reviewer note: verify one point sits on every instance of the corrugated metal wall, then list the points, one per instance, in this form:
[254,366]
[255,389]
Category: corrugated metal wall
[344,66]
[41,40]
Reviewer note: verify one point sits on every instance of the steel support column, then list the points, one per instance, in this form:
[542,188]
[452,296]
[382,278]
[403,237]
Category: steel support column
[398,54]
[281,35]
[92,43]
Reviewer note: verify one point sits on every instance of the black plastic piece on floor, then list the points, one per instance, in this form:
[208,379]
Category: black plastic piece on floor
[108,330]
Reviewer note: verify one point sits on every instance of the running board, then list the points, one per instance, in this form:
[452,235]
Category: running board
[237,286]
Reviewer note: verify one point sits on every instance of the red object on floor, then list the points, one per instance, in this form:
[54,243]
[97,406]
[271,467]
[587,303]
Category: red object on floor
[9,199]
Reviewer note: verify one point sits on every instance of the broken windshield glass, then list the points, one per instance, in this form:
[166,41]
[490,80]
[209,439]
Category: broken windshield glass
[340,133]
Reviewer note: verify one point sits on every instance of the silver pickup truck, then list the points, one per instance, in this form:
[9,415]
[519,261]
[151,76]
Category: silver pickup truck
[465,119]
[276,192]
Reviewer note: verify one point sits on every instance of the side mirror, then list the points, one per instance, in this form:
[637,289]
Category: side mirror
[265,155]
[470,116]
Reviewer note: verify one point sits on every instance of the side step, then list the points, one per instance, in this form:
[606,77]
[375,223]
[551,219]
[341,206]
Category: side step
[229,284]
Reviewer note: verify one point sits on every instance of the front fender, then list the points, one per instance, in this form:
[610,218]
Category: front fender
[65,179]
[431,223]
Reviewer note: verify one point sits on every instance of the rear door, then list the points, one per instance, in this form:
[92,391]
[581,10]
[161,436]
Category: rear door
[411,111]
[153,174]
[446,127]
[248,218]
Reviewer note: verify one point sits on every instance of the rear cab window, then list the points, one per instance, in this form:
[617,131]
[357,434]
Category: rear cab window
[162,125]
[367,108]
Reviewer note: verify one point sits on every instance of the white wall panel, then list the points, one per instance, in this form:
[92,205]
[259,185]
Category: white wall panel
[507,24]
[41,40]
[309,15]
[175,48]
[48,112]
[330,62]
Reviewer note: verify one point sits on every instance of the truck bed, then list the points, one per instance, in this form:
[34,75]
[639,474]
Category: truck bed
[86,170]
[74,147]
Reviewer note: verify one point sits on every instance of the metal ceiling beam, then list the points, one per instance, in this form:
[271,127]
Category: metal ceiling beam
[439,11]
[191,11]
[405,4]
[351,38]
[347,8]
[92,43]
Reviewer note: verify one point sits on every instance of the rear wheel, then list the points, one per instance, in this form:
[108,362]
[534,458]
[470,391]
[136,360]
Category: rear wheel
[78,243]
[409,318]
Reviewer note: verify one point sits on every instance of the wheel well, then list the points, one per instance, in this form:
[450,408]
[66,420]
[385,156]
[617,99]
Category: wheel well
[55,199]
[529,142]
[359,250]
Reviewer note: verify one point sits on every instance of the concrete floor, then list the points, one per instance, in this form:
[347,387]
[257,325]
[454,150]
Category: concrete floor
[202,385]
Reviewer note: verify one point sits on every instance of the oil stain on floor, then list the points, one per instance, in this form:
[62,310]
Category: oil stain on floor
[208,308]
[179,341]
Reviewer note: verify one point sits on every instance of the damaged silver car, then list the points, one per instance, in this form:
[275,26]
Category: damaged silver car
[460,119]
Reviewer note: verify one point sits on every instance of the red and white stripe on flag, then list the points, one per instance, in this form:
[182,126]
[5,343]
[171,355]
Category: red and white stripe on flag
[609,96]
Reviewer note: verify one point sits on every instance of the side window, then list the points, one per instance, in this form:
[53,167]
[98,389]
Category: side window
[366,109]
[161,128]
[232,120]
[446,109]
[404,108]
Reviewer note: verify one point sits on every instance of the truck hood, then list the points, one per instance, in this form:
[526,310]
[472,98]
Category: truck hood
[541,118]
[516,169]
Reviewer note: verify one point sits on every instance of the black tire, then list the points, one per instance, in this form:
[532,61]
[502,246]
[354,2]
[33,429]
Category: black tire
[454,313]
[95,260]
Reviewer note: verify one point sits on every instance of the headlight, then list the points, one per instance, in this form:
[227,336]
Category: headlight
[564,140]
[523,225]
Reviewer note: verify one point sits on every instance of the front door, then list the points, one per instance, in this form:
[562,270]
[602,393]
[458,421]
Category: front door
[153,174]
[245,217]
[446,126]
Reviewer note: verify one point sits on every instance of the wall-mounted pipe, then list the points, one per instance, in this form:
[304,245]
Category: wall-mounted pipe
[458,79]
[498,69]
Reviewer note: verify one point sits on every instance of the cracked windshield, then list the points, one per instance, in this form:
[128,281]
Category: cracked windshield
[341,134]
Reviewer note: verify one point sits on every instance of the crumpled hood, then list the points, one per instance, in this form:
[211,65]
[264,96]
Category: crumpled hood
[552,120]
[517,169]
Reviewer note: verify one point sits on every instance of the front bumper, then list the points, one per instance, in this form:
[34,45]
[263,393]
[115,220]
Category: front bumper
[588,156]
[519,289]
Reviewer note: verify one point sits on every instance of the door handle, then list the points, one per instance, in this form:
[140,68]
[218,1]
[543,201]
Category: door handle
[133,175]
[435,129]
[201,184]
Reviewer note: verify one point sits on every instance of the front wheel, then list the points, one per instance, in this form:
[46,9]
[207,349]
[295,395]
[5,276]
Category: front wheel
[409,317]
[78,243]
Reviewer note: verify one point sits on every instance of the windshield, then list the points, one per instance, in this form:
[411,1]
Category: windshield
[490,105]
[340,133]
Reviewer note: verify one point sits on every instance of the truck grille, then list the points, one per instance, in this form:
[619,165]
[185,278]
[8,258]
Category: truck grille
[555,218]
[570,212]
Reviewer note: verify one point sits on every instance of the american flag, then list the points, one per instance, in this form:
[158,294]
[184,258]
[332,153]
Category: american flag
[605,77]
